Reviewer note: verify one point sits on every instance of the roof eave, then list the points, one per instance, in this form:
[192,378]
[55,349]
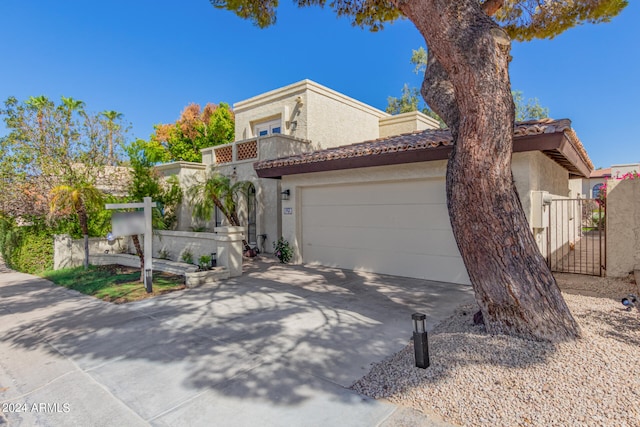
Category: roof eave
[556,146]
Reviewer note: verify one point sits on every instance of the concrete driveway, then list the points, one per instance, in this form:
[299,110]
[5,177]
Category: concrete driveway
[278,346]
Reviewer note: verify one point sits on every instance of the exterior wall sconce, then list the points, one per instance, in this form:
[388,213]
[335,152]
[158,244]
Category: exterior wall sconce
[214,261]
[420,341]
[286,194]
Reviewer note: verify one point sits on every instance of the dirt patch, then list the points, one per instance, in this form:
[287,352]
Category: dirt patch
[600,287]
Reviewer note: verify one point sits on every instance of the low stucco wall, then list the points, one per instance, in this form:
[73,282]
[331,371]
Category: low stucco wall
[176,243]
[69,252]
[226,242]
[623,227]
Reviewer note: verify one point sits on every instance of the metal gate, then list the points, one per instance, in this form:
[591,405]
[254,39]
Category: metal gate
[576,237]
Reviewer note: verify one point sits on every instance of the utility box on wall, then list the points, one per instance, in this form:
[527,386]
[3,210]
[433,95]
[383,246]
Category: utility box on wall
[540,202]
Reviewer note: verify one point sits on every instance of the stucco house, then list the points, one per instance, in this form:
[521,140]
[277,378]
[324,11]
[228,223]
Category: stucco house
[351,186]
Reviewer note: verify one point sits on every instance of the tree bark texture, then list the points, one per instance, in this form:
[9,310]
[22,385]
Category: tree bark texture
[84,226]
[140,253]
[467,84]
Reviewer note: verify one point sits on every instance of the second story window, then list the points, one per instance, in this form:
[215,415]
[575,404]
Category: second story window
[267,128]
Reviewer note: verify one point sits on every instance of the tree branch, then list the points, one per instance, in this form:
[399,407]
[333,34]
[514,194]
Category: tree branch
[490,7]
[438,91]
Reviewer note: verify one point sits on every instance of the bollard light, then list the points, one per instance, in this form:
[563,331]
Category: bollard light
[148,278]
[420,341]
[214,261]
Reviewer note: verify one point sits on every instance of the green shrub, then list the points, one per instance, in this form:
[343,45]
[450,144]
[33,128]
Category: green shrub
[187,256]
[283,251]
[204,262]
[34,253]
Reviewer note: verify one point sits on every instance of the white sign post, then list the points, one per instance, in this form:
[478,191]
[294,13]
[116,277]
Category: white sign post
[133,227]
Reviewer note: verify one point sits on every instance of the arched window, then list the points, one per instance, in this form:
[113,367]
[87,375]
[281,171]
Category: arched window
[252,237]
[595,193]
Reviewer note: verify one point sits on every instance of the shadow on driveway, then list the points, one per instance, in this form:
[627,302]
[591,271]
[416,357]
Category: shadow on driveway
[277,346]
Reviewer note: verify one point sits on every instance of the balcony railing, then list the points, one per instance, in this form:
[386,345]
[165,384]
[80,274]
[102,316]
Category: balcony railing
[272,146]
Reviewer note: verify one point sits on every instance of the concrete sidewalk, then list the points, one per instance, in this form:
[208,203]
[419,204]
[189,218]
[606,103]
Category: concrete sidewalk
[278,346]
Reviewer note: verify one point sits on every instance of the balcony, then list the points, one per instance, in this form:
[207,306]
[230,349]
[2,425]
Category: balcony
[255,149]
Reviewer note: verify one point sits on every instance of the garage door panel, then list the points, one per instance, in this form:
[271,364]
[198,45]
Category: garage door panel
[399,216]
[399,228]
[421,192]
[398,241]
[438,268]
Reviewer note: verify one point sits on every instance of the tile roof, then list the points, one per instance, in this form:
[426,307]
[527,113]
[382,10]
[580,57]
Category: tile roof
[601,173]
[414,143]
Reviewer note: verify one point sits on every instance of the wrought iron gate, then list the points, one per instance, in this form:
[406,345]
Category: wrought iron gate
[576,237]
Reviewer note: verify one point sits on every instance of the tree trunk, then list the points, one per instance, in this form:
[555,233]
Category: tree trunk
[84,226]
[140,253]
[467,84]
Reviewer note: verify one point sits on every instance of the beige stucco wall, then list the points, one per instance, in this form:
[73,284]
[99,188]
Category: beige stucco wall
[310,111]
[533,171]
[335,119]
[623,226]
[188,173]
[287,103]
[68,252]
[405,123]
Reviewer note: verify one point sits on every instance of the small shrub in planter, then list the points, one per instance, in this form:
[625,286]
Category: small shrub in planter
[204,262]
[187,257]
[283,251]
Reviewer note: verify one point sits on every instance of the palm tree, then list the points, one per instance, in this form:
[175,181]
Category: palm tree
[217,191]
[67,199]
[39,104]
[111,117]
[69,105]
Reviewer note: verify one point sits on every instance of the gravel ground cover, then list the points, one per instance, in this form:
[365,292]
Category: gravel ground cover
[478,379]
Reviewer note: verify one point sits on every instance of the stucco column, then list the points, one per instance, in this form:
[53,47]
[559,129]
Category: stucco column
[229,253]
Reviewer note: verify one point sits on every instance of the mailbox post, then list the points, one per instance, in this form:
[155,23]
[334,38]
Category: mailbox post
[125,228]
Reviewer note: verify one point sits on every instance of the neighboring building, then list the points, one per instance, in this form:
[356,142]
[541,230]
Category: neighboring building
[589,188]
[378,205]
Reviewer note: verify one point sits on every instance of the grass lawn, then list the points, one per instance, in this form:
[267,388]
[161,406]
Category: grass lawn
[114,283]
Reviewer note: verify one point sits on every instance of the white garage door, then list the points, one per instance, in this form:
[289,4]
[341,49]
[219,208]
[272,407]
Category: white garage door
[400,228]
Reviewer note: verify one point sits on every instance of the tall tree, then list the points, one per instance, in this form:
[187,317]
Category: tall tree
[410,98]
[467,84]
[197,128]
[50,145]
[112,126]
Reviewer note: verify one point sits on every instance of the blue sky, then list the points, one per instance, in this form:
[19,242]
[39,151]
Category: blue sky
[149,59]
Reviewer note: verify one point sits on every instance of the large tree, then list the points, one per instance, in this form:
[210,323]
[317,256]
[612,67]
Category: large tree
[467,84]
[195,129]
[113,126]
[410,97]
[53,162]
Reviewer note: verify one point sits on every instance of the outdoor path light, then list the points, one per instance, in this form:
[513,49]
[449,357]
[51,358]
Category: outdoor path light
[420,342]
[214,261]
